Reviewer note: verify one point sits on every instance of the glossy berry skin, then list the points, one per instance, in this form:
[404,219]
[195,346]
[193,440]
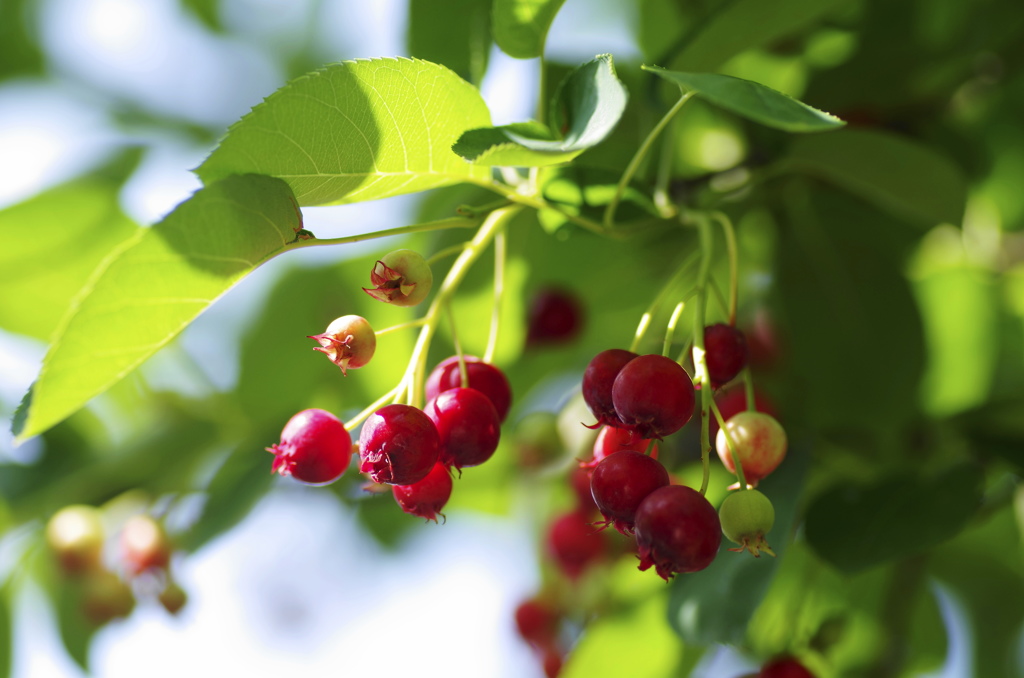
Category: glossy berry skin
[612,439]
[621,482]
[733,400]
[574,544]
[555,317]
[654,396]
[747,516]
[760,442]
[467,424]
[598,380]
[398,445]
[349,342]
[427,497]
[784,667]
[537,622]
[725,350]
[482,376]
[315,448]
[144,545]
[677,530]
[401,278]
[75,535]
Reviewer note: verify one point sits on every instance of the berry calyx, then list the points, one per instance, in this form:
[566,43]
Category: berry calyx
[315,448]
[725,350]
[653,395]
[467,424]
[784,667]
[574,544]
[348,341]
[481,376]
[427,497]
[612,439]
[555,317]
[75,535]
[398,445]
[144,545]
[597,384]
[759,441]
[747,516]
[677,530]
[537,622]
[621,482]
[401,277]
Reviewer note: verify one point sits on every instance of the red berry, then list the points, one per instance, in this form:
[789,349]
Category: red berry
[144,545]
[537,622]
[725,350]
[552,660]
[402,278]
[677,530]
[612,439]
[315,448]
[398,445]
[733,400]
[467,425]
[621,482]
[654,396]
[555,316]
[759,441]
[784,667]
[574,544]
[482,376]
[348,341]
[597,383]
[427,497]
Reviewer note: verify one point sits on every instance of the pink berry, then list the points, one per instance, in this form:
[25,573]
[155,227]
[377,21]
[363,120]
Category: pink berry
[427,497]
[654,396]
[784,667]
[398,445]
[725,350]
[144,545]
[597,384]
[402,278]
[555,317]
[733,400]
[621,482]
[315,448]
[574,544]
[677,530]
[483,377]
[759,441]
[467,424]
[612,439]
[348,341]
[537,622]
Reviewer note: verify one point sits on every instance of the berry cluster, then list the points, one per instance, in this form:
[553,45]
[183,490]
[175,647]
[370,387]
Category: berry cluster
[76,536]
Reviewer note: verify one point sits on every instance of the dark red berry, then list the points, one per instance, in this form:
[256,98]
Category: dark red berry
[579,480]
[483,377]
[597,383]
[467,425]
[537,622]
[315,448]
[621,482]
[725,350]
[612,439]
[555,316]
[575,544]
[398,445]
[677,530]
[654,396]
[427,497]
[784,667]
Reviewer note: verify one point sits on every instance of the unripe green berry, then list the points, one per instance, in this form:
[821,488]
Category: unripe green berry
[402,278]
[348,341]
[75,535]
[105,597]
[747,516]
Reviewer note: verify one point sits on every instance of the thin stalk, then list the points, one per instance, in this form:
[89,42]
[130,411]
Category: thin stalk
[733,253]
[731,444]
[634,164]
[671,329]
[440,224]
[391,395]
[719,296]
[663,295]
[401,326]
[537,203]
[446,252]
[463,374]
[700,366]
[748,389]
[499,294]
[662,199]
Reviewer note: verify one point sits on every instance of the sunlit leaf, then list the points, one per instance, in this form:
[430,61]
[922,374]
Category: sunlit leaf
[355,131]
[521,27]
[454,33]
[155,284]
[752,100]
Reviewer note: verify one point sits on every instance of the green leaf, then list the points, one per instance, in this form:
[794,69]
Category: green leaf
[716,604]
[895,173]
[520,27]
[587,106]
[857,527]
[357,131]
[454,33]
[752,100]
[738,25]
[207,11]
[51,245]
[155,284]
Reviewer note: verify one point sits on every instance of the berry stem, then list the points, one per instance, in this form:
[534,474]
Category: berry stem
[733,252]
[355,421]
[719,297]
[731,445]
[463,375]
[700,366]
[538,203]
[446,252]
[641,152]
[748,389]
[666,291]
[671,329]
[499,293]
[401,326]
[662,199]
[438,225]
